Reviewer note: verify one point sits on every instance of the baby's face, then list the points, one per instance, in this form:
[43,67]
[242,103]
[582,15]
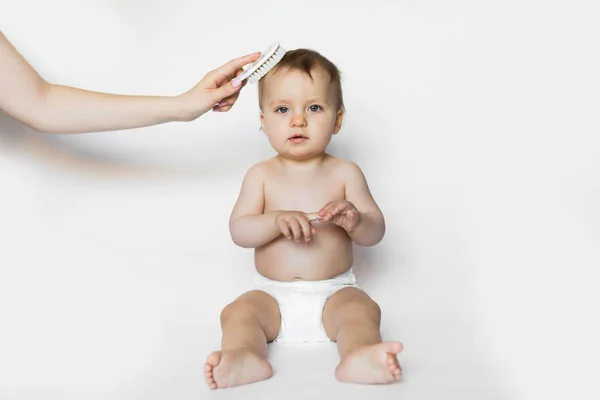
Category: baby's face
[299,115]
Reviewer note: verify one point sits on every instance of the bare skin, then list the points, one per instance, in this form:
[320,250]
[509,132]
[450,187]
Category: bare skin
[307,190]
[352,319]
[53,108]
[248,324]
[302,211]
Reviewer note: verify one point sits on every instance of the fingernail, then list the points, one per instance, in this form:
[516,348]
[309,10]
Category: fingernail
[236,82]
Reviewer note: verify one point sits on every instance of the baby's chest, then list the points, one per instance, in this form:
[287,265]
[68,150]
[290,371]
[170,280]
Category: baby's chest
[306,196]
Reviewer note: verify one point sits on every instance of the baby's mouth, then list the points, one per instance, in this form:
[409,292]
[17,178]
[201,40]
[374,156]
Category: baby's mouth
[298,138]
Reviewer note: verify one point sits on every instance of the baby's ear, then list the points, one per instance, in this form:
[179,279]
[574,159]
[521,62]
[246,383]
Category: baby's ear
[338,121]
[262,121]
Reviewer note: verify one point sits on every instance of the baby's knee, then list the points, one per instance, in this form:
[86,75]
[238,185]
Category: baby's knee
[364,308]
[237,309]
[243,307]
[372,308]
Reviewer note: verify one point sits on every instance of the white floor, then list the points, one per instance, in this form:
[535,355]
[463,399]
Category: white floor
[100,321]
[476,124]
[112,288]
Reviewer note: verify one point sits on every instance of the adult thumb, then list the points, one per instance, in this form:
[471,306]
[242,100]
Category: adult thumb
[227,89]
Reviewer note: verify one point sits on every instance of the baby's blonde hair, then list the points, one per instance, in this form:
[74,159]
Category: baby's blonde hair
[306,60]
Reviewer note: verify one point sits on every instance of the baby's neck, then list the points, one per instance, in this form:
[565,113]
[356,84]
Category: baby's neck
[312,162]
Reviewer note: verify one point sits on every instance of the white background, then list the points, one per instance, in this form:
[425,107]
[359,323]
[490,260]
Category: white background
[476,124]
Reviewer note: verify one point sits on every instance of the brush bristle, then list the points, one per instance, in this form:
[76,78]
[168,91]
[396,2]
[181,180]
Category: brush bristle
[267,65]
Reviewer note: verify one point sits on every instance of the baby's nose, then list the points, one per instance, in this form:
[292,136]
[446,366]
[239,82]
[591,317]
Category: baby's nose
[298,120]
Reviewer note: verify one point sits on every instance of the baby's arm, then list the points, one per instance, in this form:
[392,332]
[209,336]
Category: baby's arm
[371,228]
[248,225]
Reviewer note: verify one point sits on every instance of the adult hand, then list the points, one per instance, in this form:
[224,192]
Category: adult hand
[219,89]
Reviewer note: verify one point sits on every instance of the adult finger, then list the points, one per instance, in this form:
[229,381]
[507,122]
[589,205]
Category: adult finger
[224,108]
[222,83]
[220,80]
[224,93]
[231,68]
[229,100]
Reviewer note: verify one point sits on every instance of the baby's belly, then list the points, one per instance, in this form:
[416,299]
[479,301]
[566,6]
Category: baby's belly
[327,255]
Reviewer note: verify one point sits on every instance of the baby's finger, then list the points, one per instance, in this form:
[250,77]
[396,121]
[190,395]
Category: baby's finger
[306,228]
[325,208]
[296,231]
[353,215]
[339,220]
[284,229]
[330,211]
[338,208]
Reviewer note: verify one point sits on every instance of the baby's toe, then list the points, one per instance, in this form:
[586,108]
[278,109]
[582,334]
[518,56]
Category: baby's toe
[392,360]
[214,359]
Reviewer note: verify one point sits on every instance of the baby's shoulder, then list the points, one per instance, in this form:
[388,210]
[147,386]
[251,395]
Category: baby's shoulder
[342,166]
[260,170]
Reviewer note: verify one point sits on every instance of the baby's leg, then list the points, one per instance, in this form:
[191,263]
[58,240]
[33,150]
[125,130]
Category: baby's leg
[352,319]
[248,324]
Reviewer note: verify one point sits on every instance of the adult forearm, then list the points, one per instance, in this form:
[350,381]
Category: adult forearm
[251,231]
[370,231]
[63,109]
[47,107]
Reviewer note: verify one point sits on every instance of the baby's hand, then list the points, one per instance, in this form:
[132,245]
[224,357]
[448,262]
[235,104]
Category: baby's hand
[296,224]
[342,213]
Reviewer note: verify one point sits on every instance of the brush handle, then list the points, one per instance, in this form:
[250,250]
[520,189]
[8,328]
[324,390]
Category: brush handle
[313,217]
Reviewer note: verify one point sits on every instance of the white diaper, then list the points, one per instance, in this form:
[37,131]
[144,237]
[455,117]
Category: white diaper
[301,305]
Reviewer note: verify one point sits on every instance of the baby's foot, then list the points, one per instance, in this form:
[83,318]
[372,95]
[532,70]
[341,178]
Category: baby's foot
[371,364]
[235,367]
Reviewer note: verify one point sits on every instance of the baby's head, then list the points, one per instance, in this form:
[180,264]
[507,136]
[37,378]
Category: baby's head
[301,104]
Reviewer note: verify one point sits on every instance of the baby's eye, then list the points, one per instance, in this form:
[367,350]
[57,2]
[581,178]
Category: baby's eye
[315,108]
[281,110]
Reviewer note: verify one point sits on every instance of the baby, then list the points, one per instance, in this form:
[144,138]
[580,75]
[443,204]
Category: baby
[301,211]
